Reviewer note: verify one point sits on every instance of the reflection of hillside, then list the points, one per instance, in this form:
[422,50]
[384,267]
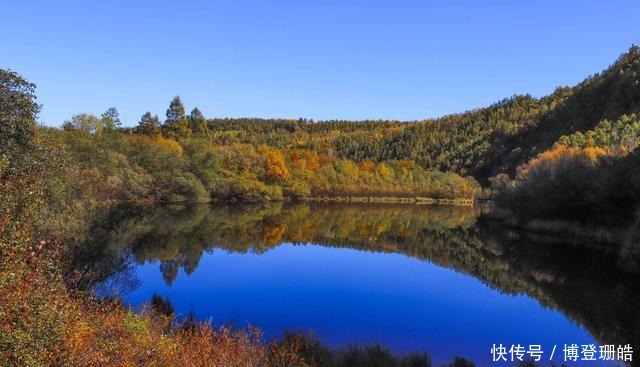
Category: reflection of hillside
[585,285]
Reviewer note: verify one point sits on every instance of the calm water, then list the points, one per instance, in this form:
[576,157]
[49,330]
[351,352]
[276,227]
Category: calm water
[410,278]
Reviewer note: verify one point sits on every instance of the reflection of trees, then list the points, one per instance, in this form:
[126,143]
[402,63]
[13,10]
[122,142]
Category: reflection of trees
[583,283]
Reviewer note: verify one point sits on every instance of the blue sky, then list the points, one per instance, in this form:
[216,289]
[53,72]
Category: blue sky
[346,59]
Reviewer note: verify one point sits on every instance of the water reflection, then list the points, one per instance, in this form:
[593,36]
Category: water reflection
[583,284]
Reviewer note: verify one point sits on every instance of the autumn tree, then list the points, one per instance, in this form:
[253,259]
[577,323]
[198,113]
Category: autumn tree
[275,167]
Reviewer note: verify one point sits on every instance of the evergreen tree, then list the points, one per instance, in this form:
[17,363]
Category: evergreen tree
[176,124]
[175,112]
[149,125]
[196,114]
[197,122]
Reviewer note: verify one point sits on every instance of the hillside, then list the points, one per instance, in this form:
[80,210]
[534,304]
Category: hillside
[482,143]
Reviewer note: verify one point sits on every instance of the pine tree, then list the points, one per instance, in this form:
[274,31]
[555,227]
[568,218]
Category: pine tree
[197,122]
[149,125]
[176,124]
[175,112]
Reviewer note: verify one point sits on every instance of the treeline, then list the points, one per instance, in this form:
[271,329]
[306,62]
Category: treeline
[184,159]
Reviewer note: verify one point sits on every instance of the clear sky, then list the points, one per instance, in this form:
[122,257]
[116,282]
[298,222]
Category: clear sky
[323,59]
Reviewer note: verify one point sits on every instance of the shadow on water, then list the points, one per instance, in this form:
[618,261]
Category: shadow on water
[581,282]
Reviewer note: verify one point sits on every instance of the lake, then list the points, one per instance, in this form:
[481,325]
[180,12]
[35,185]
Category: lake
[441,280]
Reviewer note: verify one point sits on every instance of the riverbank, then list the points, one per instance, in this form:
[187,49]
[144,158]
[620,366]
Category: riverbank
[391,200]
[417,200]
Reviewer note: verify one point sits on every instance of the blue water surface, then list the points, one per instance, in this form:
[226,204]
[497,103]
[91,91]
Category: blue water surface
[347,296]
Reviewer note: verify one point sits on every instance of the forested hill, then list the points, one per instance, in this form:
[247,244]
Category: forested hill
[481,143]
[189,157]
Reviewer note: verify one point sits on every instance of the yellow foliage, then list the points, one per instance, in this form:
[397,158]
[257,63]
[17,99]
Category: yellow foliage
[551,159]
[592,153]
[385,171]
[367,166]
[405,165]
[305,159]
[275,166]
[272,234]
[168,144]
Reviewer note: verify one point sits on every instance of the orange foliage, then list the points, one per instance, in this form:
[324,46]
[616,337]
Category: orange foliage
[405,165]
[592,153]
[558,156]
[45,324]
[305,159]
[272,234]
[367,166]
[275,166]
[109,335]
[385,171]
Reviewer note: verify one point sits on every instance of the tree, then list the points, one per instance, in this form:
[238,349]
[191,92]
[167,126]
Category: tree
[149,125]
[84,122]
[18,132]
[111,119]
[175,112]
[18,111]
[196,114]
[197,122]
[176,124]
[32,165]
[275,167]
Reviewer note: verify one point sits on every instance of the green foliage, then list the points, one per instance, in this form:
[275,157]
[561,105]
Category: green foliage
[90,124]
[149,125]
[175,112]
[176,126]
[18,132]
[587,176]
[17,115]
[32,164]
[621,136]
[111,119]
[197,123]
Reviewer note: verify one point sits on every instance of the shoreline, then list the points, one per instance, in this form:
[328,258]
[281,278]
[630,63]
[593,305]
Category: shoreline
[416,200]
[392,200]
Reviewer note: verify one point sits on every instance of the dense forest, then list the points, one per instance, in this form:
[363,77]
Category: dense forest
[188,158]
